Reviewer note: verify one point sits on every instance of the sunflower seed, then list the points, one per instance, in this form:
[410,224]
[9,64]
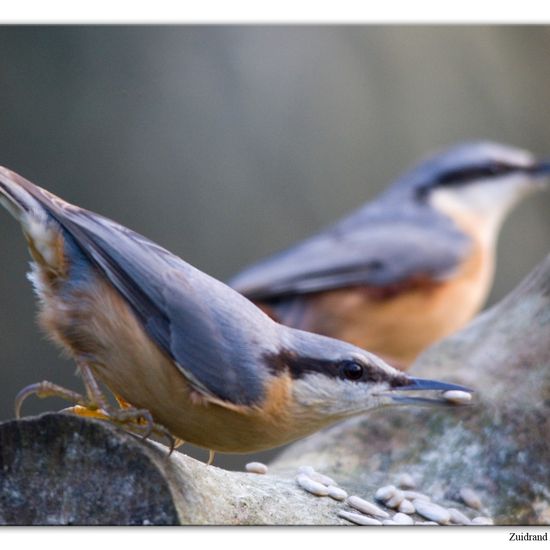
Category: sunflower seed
[482,520]
[426,523]
[413,495]
[385,493]
[396,499]
[406,507]
[458,518]
[457,397]
[432,511]
[470,498]
[311,486]
[389,522]
[406,481]
[336,493]
[403,519]
[256,468]
[316,476]
[367,507]
[359,519]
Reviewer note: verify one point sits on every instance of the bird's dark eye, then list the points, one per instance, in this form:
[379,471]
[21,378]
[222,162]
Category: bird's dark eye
[351,370]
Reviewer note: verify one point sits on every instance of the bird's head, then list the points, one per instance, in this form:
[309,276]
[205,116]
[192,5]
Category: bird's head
[332,379]
[481,181]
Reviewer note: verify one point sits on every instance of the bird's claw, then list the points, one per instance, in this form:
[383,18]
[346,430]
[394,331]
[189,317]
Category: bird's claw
[46,389]
[129,417]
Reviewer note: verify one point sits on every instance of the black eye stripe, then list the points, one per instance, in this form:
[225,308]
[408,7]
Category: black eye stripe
[469,174]
[473,173]
[299,366]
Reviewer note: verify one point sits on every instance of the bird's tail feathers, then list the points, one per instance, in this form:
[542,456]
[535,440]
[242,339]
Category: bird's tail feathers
[31,205]
[17,197]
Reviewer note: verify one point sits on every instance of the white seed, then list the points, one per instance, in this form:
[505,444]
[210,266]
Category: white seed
[458,518]
[406,507]
[406,481]
[308,470]
[458,397]
[413,495]
[470,498]
[316,476]
[432,511]
[321,478]
[403,519]
[396,499]
[311,486]
[385,493]
[336,493]
[389,522]
[367,507]
[359,519]
[482,520]
[426,523]
[256,468]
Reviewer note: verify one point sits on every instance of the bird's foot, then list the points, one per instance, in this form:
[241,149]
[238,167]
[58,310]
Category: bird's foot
[137,421]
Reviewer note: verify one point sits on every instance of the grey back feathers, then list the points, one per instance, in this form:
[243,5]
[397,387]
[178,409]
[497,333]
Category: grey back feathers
[388,241]
[215,336]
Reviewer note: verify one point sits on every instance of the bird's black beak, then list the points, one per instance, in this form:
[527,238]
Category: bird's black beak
[422,385]
[541,169]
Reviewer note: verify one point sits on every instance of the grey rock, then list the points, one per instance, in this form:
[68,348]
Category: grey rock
[59,469]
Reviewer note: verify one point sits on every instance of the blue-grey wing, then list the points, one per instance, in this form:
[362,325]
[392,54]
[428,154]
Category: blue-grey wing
[378,252]
[207,328]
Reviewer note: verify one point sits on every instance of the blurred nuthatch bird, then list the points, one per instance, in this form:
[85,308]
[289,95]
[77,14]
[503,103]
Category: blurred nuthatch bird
[408,268]
[178,348]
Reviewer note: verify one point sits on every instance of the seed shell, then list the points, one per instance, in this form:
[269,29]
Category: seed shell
[470,498]
[457,397]
[385,493]
[311,486]
[358,519]
[336,493]
[403,519]
[482,520]
[458,518]
[406,481]
[256,468]
[396,499]
[432,511]
[413,495]
[406,507]
[367,507]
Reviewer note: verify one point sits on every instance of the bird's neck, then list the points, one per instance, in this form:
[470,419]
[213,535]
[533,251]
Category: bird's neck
[479,210]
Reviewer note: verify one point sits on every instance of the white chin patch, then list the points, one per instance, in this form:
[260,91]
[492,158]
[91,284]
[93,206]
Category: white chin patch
[485,202]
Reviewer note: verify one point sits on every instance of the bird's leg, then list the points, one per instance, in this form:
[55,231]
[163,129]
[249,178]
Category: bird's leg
[211,456]
[134,419]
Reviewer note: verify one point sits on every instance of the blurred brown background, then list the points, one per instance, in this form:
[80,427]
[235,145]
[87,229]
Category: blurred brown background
[225,144]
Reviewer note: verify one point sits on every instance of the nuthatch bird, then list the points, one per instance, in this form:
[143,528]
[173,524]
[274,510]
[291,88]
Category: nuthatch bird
[408,268]
[187,352]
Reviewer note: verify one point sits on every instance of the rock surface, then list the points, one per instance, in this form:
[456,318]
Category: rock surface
[60,469]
